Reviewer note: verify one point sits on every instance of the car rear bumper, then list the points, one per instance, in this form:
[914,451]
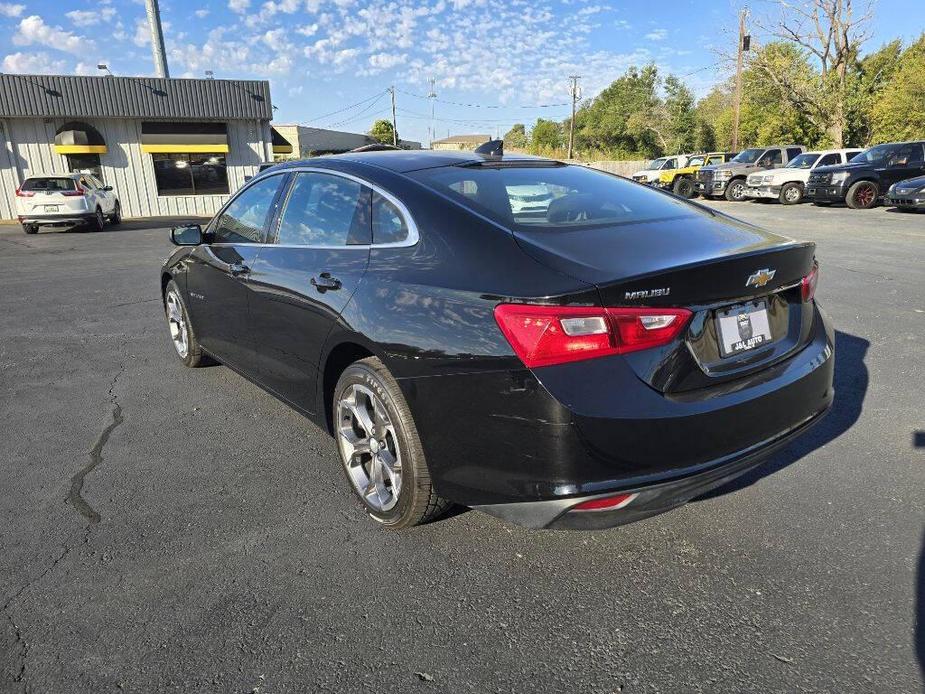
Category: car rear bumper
[563,434]
[58,219]
[763,192]
[649,500]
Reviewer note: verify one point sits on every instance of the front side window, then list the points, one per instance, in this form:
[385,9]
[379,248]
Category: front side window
[324,210]
[715,160]
[772,158]
[389,224]
[695,161]
[244,219]
[886,155]
[190,174]
[906,155]
[804,161]
[560,197]
[656,164]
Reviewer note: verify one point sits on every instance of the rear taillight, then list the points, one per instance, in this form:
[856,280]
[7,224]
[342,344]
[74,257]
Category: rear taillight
[808,285]
[608,503]
[74,193]
[20,193]
[547,335]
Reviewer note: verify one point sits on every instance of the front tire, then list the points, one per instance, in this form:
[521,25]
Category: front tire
[684,187]
[791,194]
[735,191]
[380,449]
[862,195]
[116,217]
[182,335]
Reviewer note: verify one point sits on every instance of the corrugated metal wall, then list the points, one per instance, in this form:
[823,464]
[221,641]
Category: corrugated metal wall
[125,167]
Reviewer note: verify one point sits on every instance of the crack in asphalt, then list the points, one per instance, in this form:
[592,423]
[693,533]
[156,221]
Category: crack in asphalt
[74,497]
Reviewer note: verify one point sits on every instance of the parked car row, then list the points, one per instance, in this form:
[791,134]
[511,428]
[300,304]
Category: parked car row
[892,173]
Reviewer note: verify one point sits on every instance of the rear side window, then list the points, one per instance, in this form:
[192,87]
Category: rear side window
[551,197]
[851,155]
[772,157]
[793,152]
[243,221]
[325,211]
[389,224]
[829,160]
[50,185]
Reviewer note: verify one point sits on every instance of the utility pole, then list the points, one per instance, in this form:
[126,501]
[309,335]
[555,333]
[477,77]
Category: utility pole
[157,39]
[738,95]
[394,126]
[433,98]
[571,127]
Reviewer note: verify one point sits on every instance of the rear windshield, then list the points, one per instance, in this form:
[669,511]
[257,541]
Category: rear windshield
[551,197]
[52,185]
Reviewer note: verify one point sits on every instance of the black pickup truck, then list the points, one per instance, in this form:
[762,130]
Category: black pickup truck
[861,182]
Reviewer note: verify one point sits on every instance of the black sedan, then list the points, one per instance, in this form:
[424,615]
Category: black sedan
[907,195]
[596,358]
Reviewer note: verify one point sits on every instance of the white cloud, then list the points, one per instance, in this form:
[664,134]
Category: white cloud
[8,9]
[33,63]
[238,6]
[307,29]
[34,30]
[384,61]
[657,35]
[202,14]
[86,18]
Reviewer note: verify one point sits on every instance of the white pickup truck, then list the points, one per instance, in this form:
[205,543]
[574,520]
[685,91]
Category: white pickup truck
[787,183]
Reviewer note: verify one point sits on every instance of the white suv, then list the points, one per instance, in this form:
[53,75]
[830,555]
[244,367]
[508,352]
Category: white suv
[787,183]
[77,199]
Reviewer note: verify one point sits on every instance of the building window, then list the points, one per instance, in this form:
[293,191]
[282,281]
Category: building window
[85,162]
[190,174]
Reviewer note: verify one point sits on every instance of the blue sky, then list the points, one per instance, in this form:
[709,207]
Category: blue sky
[324,55]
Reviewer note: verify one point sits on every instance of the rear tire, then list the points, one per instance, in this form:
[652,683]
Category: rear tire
[98,221]
[380,448]
[116,217]
[684,187]
[791,194]
[30,228]
[735,191]
[182,334]
[863,195]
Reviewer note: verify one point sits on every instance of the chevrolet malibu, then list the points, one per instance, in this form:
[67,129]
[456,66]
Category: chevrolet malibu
[609,359]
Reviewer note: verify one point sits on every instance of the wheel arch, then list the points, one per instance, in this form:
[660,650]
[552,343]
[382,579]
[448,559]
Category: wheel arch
[337,357]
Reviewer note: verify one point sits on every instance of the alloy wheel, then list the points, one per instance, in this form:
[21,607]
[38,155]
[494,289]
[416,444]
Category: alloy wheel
[864,195]
[792,194]
[738,190]
[177,323]
[369,447]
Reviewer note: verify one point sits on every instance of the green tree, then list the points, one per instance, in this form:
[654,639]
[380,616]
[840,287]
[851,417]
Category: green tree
[382,132]
[546,134]
[516,137]
[680,119]
[898,112]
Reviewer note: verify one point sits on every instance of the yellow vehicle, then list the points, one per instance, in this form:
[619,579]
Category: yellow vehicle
[681,181]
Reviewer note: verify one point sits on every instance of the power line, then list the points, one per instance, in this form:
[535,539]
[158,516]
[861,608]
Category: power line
[359,114]
[346,108]
[459,103]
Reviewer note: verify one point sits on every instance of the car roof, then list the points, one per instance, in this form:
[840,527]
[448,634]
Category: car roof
[57,175]
[403,161]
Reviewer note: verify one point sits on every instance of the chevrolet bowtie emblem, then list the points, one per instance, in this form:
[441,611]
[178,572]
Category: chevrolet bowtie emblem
[760,278]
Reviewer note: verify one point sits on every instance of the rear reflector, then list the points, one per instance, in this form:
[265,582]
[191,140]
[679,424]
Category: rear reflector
[608,503]
[808,285]
[548,335]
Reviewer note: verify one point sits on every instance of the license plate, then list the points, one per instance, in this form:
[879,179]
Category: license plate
[51,208]
[742,328]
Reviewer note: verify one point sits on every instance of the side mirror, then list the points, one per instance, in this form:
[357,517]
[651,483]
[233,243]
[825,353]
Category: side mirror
[108,188]
[186,235]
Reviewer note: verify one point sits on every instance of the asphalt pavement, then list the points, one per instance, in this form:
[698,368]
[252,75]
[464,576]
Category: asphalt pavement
[167,529]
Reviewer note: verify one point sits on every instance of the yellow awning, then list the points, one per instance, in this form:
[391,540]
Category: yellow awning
[81,149]
[184,148]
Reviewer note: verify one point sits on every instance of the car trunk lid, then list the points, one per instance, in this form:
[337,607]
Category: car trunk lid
[707,262]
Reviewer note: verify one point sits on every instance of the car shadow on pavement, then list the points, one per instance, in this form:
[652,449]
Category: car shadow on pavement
[851,381]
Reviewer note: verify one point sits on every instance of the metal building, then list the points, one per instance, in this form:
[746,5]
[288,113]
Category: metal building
[167,146]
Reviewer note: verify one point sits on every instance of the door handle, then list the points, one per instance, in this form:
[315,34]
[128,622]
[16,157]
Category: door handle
[324,282]
[237,269]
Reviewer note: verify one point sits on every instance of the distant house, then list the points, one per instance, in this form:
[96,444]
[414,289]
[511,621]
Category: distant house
[310,142]
[460,142]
